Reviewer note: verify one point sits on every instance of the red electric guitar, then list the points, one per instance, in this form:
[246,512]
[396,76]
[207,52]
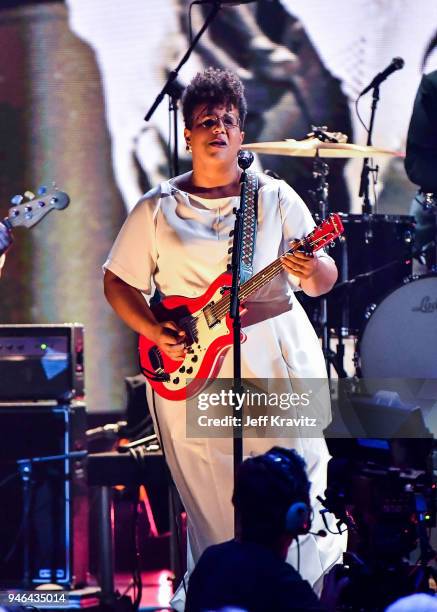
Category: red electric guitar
[207,324]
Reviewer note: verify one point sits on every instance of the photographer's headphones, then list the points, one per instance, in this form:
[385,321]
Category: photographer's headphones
[298,516]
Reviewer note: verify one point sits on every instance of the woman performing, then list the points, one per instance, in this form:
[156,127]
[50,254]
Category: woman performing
[177,237]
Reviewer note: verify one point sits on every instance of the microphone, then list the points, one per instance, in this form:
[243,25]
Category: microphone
[110,431]
[245,159]
[396,64]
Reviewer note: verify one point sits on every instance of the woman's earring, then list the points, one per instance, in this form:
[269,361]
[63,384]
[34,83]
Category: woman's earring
[188,147]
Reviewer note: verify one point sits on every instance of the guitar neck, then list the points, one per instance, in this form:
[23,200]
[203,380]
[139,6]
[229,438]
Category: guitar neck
[259,280]
[329,229]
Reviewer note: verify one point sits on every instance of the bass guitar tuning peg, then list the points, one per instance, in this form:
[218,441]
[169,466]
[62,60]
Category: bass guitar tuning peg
[17,199]
[29,195]
[42,190]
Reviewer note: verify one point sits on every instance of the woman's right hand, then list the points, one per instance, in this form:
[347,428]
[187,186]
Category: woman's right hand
[170,339]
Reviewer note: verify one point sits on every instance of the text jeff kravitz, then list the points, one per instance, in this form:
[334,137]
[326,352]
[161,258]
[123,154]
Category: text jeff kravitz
[259,421]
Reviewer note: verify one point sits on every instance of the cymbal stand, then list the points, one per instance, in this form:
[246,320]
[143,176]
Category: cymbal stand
[320,197]
[367,168]
[429,203]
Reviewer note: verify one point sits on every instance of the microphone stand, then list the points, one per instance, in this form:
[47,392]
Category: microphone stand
[174,90]
[320,194]
[234,313]
[367,169]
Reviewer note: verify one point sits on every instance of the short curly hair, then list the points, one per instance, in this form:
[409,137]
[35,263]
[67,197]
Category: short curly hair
[211,87]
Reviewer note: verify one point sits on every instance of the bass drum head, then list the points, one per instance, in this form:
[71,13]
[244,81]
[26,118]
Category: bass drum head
[400,338]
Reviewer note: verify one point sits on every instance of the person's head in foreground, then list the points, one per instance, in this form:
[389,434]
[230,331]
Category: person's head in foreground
[272,500]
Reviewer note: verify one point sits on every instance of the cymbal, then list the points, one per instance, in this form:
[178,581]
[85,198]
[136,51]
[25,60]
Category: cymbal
[311,147]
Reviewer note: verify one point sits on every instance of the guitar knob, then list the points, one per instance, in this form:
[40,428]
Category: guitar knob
[42,189]
[17,199]
[28,209]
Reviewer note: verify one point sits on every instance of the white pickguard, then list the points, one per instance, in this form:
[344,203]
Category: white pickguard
[205,335]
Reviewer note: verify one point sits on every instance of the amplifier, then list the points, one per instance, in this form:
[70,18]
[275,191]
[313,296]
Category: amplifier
[57,507]
[41,362]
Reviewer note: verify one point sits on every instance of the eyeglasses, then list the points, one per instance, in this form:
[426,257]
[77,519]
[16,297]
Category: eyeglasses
[229,122]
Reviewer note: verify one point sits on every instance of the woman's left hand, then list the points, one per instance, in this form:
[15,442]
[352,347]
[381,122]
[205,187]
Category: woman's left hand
[300,264]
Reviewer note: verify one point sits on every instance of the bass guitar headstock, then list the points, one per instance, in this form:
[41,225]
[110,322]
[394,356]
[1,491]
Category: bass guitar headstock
[28,209]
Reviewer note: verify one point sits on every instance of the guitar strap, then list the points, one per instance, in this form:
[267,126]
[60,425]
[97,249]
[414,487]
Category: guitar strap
[249,227]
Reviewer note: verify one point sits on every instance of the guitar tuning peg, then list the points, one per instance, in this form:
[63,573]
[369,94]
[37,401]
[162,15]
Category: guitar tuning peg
[42,190]
[17,199]
[29,195]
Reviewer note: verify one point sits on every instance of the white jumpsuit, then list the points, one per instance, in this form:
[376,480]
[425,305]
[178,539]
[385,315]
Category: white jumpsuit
[180,243]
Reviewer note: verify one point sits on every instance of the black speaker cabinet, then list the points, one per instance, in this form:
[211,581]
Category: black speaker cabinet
[57,509]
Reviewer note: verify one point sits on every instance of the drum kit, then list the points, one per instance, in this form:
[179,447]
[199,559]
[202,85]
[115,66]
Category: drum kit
[389,314]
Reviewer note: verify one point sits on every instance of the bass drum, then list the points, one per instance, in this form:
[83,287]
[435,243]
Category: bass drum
[400,338]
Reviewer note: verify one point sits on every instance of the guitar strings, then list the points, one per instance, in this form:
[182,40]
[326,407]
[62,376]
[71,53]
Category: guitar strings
[261,278]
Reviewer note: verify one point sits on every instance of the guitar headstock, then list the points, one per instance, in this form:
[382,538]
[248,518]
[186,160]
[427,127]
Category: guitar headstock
[29,209]
[328,230]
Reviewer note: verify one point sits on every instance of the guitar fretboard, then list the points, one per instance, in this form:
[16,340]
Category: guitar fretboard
[329,229]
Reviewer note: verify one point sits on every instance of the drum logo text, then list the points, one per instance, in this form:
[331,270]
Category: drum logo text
[426,305]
